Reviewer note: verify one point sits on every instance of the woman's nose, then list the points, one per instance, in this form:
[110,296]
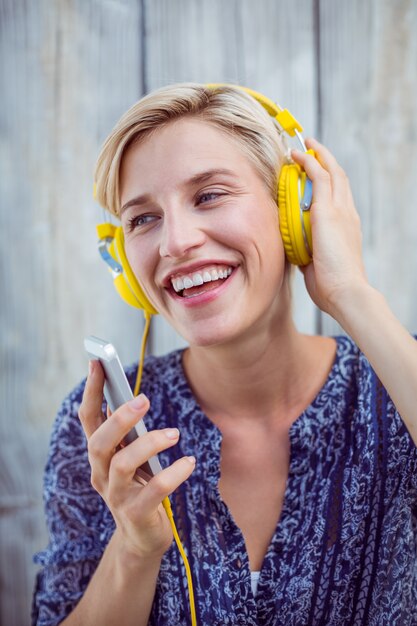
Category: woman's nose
[180,233]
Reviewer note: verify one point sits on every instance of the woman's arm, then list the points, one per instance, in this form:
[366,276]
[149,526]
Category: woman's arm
[392,351]
[121,590]
[337,282]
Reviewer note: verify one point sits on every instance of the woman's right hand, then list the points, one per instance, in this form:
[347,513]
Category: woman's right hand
[141,521]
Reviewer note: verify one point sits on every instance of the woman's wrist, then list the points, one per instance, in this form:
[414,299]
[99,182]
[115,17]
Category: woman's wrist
[132,590]
[130,559]
[356,306]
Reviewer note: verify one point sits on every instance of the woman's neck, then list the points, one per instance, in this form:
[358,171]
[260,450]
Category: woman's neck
[265,376]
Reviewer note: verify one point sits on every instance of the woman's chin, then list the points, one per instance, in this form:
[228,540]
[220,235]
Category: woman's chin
[206,335]
[206,340]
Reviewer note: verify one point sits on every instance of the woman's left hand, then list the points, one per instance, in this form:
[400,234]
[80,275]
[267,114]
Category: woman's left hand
[337,266]
[337,283]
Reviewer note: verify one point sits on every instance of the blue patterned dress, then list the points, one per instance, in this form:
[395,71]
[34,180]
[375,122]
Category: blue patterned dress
[344,551]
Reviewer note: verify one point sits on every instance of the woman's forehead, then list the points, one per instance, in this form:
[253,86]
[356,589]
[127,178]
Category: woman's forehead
[185,148]
[191,134]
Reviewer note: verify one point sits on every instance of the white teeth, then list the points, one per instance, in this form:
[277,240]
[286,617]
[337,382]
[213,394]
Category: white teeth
[178,284]
[198,278]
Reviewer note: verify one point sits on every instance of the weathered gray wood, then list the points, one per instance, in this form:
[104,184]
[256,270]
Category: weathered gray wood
[368,80]
[68,70]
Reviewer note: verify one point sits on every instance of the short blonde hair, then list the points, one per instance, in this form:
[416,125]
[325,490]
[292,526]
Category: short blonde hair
[227,107]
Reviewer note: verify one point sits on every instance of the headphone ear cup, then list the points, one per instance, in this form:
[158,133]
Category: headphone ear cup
[127,286]
[294,224]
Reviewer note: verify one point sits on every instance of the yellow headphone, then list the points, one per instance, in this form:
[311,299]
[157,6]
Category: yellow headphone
[112,249]
[294,200]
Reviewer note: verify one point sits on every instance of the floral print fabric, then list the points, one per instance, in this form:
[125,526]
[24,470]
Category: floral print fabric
[344,550]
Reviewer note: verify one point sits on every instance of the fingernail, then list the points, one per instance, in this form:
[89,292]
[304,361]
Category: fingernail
[172,433]
[191,459]
[90,366]
[138,402]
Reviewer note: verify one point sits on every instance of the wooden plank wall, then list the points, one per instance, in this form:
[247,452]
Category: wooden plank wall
[68,70]
[367,112]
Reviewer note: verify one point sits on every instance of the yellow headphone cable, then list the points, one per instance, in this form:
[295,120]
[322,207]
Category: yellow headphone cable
[165,502]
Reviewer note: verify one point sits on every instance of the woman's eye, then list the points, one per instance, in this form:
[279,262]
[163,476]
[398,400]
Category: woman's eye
[140,220]
[208,196]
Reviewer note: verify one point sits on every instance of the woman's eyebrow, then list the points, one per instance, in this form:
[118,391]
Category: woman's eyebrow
[196,179]
[138,201]
[203,177]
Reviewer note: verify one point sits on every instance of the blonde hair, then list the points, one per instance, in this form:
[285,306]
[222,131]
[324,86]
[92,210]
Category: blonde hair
[227,107]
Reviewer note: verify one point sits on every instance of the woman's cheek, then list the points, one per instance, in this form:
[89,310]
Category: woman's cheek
[141,267]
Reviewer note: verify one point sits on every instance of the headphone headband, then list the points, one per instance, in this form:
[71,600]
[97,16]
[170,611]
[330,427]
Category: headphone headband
[285,119]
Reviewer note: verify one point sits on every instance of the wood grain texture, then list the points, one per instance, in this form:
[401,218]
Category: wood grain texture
[368,85]
[60,61]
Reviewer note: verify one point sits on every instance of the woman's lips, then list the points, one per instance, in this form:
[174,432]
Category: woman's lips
[202,294]
[191,292]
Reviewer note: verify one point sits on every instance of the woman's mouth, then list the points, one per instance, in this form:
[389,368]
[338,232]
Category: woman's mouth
[197,283]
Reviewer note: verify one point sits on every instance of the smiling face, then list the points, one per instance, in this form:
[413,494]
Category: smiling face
[201,233]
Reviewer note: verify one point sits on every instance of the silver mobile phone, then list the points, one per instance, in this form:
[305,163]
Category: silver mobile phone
[117,390]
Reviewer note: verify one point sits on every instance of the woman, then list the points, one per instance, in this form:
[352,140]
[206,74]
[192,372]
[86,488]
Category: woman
[285,454]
